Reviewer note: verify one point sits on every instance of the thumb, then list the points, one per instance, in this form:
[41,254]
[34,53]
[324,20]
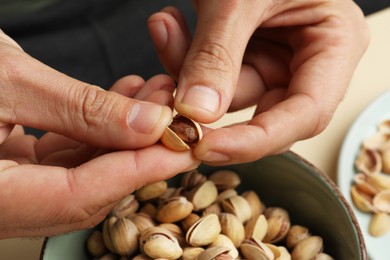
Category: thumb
[37,96]
[210,71]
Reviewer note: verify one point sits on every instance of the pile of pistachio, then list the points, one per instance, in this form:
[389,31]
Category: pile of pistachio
[204,218]
[370,190]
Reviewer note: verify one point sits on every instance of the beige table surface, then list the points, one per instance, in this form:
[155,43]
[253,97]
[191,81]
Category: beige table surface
[371,79]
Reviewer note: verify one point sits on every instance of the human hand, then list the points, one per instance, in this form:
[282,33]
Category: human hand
[292,59]
[32,94]
[76,185]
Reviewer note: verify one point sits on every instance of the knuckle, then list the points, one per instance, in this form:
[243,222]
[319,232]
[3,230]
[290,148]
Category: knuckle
[213,57]
[95,107]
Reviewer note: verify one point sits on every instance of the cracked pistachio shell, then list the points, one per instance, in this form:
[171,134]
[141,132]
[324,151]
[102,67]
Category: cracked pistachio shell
[219,253]
[174,209]
[225,179]
[142,221]
[361,200]
[224,241]
[225,194]
[278,224]
[379,224]
[256,227]
[307,248]
[189,221]
[295,234]
[125,207]
[175,231]
[191,179]
[376,141]
[120,235]
[385,156]
[95,244]
[232,227]
[257,206]
[151,191]
[378,181]
[368,161]
[191,253]
[213,208]
[204,231]
[182,134]
[203,195]
[360,180]
[157,242]
[253,249]
[279,252]
[238,206]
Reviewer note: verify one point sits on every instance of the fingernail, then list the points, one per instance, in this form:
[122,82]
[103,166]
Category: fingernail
[143,117]
[211,156]
[160,34]
[202,97]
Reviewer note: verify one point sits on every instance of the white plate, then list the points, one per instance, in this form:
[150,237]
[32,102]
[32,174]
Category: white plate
[364,126]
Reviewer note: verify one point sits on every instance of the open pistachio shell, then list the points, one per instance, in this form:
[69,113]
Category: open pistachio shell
[224,241]
[182,134]
[381,201]
[174,209]
[368,161]
[225,179]
[204,231]
[253,249]
[308,248]
[361,200]
[232,227]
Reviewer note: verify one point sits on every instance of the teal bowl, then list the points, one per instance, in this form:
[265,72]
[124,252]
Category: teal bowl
[285,180]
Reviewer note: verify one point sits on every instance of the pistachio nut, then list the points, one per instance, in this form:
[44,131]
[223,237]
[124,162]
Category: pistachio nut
[254,249]
[204,231]
[232,227]
[157,242]
[189,221]
[142,221]
[279,252]
[225,179]
[191,253]
[182,134]
[174,209]
[278,224]
[307,248]
[149,209]
[238,206]
[379,224]
[95,244]
[256,227]
[191,179]
[176,232]
[120,236]
[225,194]
[151,191]
[125,207]
[213,208]
[215,253]
[224,241]
[203,195]
[257,206]
[295,234]
[381,201]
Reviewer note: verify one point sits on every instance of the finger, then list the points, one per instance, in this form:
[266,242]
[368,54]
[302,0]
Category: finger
[19,148]
[171,38]
[5,131]
[212,65]
[128,86]
[54,102]
[73,199]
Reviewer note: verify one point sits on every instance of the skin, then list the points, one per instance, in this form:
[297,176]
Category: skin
[75,185]
[293,60]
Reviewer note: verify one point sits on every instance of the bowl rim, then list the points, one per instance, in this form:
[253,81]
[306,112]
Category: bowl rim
[331,185]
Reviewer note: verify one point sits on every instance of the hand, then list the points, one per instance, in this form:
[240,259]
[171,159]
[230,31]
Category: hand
[76,185]
[292,59]
[32,94]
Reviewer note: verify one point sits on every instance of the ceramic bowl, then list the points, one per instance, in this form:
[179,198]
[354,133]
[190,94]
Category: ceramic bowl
[286,180]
